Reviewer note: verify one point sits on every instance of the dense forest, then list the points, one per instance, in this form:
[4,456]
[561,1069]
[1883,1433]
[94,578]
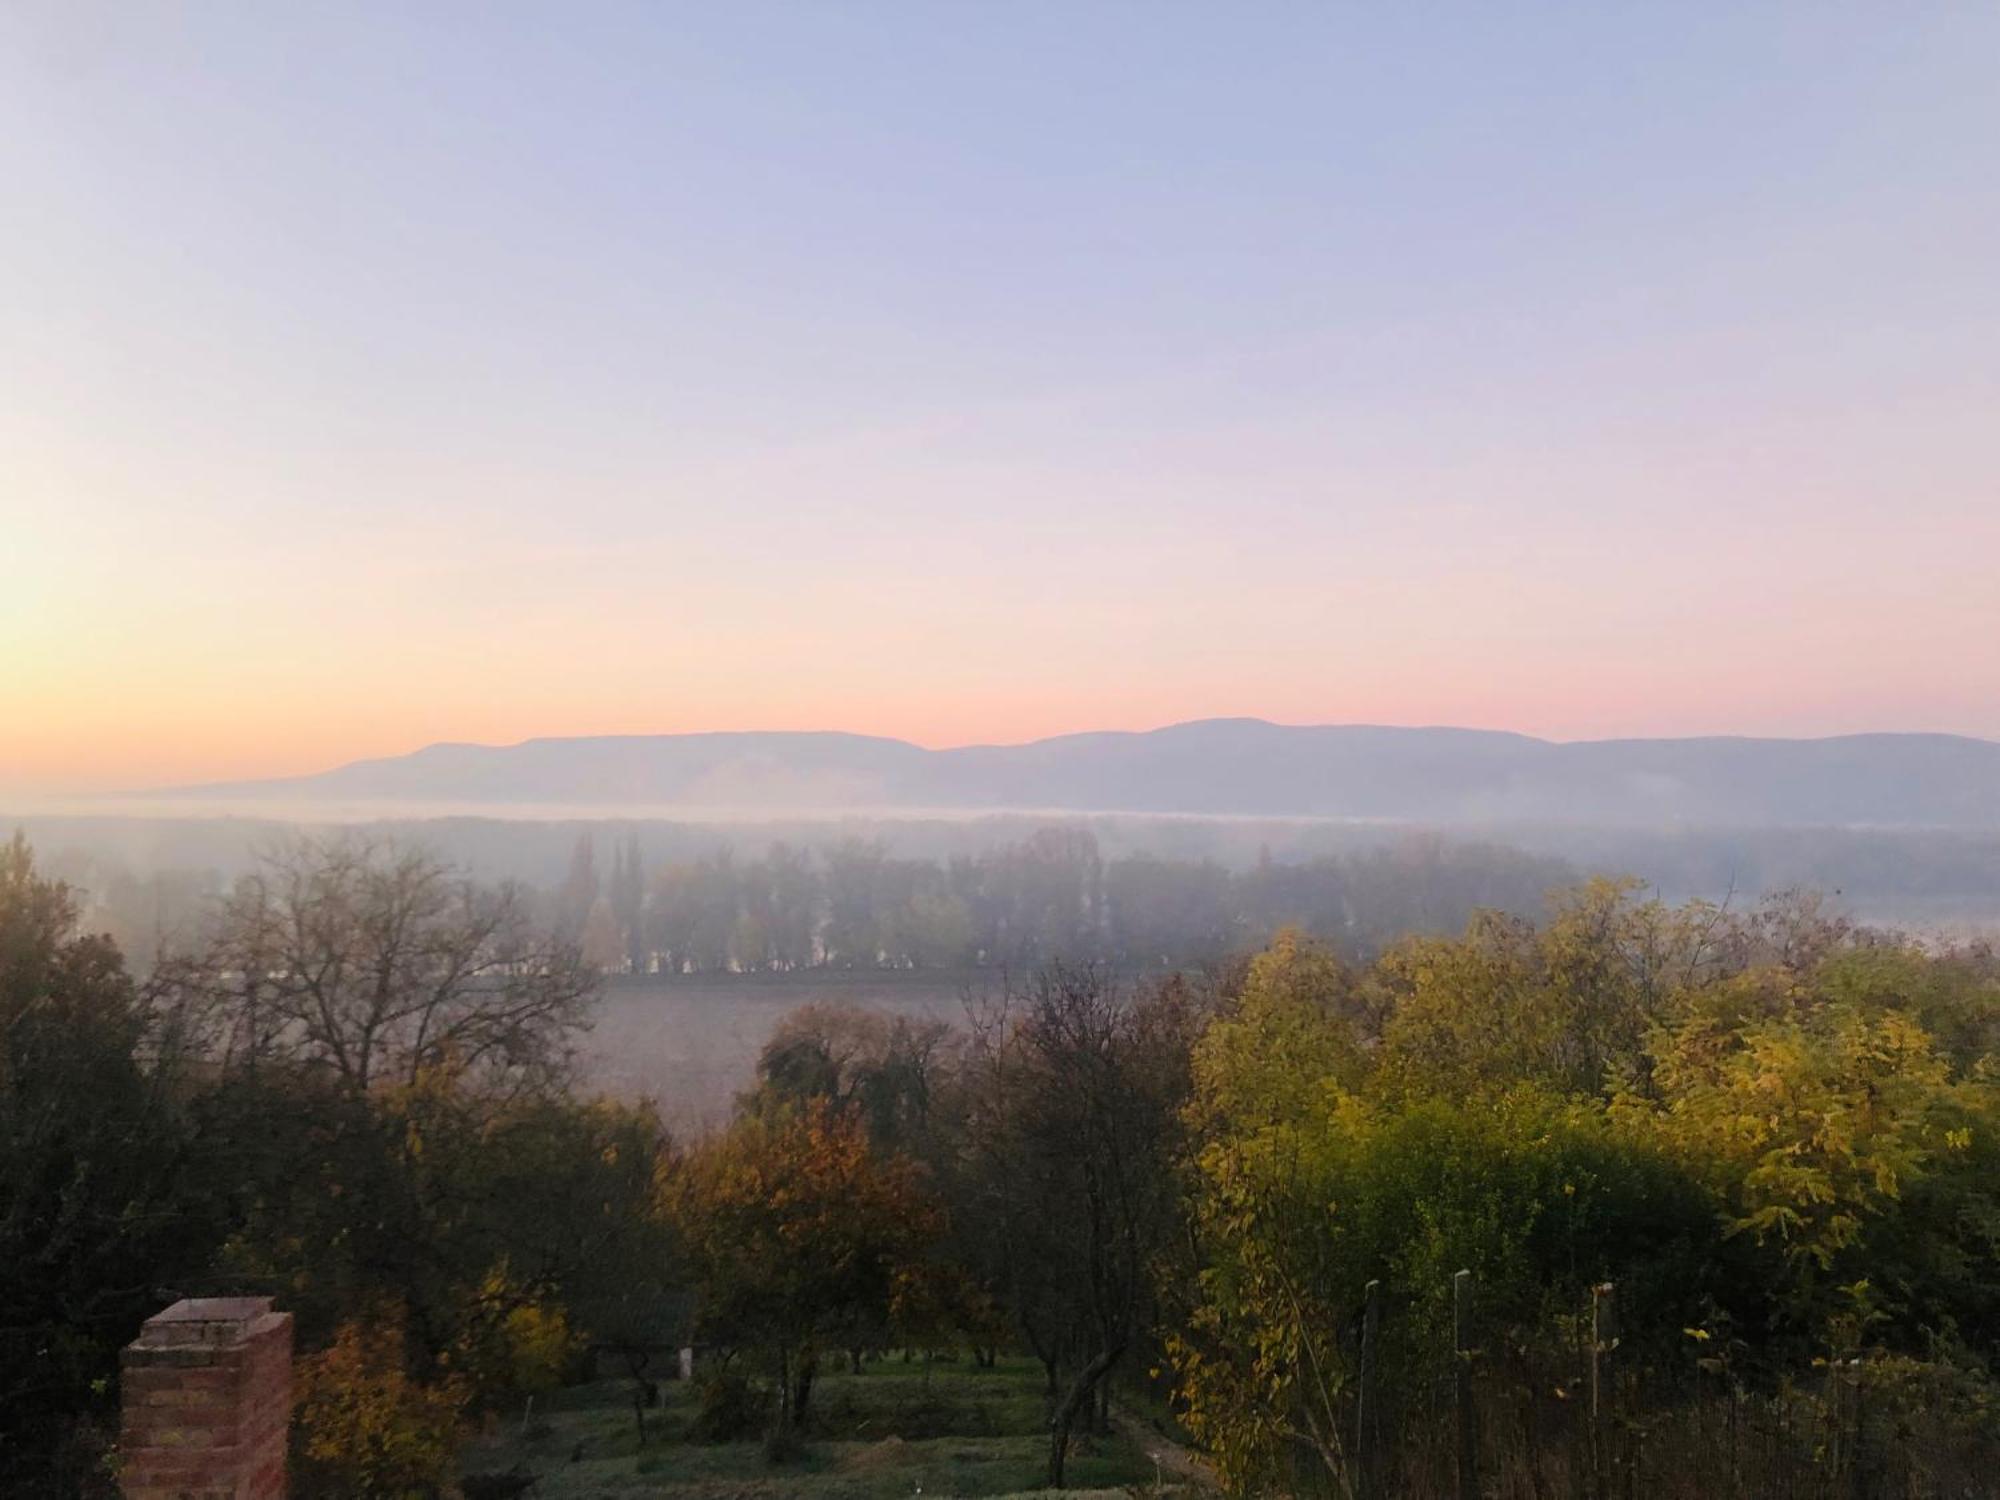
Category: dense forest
[1767,1136]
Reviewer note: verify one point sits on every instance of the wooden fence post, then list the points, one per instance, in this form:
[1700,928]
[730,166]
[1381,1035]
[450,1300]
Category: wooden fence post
[1868,1481]
[1603,1339]
[1468,1432]
[1367,1485]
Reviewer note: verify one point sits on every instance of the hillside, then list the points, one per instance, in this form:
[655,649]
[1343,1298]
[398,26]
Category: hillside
[1211,767]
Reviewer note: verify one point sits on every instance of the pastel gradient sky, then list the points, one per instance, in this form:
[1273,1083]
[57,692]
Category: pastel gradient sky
[372,375]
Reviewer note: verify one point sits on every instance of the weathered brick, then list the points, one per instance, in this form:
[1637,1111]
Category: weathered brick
[207,1401]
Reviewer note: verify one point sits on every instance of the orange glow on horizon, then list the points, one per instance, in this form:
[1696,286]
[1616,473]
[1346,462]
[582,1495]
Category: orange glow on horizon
[342,418]
[96,754]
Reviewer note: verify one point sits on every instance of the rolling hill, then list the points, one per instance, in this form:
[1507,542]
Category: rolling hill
[1218,767]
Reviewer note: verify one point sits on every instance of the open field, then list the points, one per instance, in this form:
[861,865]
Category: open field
[891,1432]
[691,1044]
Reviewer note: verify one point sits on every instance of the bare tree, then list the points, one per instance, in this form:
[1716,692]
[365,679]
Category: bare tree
[373,961]
[1077,1089]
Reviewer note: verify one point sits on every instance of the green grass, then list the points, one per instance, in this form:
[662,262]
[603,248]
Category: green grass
[888,1433]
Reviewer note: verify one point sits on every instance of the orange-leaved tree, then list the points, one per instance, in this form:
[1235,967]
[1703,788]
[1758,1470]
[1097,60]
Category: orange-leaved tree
[367,1429]
[796,1230]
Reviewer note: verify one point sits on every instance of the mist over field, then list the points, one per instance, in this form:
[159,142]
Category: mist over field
[1183,890]
[691,1044]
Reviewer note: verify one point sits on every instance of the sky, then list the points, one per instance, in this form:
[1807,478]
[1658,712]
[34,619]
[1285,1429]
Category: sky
[374,375]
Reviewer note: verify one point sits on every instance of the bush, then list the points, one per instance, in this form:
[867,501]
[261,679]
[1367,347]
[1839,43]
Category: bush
[366,1430]
[730,1409]
[514,1344]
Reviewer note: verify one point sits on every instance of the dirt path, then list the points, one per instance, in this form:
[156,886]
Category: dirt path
[1176,1461]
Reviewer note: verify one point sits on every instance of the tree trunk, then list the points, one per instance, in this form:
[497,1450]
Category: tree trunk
[802,1390]
[1074,1404]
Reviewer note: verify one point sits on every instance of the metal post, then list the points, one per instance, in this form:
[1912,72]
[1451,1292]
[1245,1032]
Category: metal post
[1366,1418]
[1603,1339]
[1468,1432]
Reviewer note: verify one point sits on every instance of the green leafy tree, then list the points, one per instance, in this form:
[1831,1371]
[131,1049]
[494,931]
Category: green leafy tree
[1538,1196]
[95,1208]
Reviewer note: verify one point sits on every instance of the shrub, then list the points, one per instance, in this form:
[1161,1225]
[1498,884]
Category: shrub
[730,1408]
[365,1429]
[514,1344]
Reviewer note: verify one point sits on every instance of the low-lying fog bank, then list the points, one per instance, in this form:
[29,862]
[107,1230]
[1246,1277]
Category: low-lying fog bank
[691,1044]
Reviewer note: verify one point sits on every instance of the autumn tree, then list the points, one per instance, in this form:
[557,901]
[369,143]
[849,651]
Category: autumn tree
[1565,1002]
[1839,1134]
[796,1230]
[1298,1211]
[366,1429]
[1771,1129]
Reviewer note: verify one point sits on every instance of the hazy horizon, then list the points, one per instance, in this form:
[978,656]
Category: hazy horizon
[184,799]
[61,790]
[726,731]
[382,377]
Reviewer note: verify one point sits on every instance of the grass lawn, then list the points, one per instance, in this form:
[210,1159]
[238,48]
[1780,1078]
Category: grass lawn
[889,1433]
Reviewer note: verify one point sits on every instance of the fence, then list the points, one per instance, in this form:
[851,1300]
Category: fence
[1575,1418]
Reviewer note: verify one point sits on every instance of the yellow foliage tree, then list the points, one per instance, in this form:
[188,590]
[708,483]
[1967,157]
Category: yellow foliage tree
[516,1341]
[1808,1121]
[366,1429]
[1288,1046]
[1565,1004]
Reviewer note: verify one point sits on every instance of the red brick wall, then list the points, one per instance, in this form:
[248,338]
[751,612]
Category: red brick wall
[207,1402]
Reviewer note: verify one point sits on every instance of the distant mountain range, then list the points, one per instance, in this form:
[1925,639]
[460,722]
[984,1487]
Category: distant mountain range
[1241,767]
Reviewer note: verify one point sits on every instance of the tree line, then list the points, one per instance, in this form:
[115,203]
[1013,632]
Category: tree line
[853,905]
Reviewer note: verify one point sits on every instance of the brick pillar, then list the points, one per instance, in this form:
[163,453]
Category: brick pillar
[207,1396]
